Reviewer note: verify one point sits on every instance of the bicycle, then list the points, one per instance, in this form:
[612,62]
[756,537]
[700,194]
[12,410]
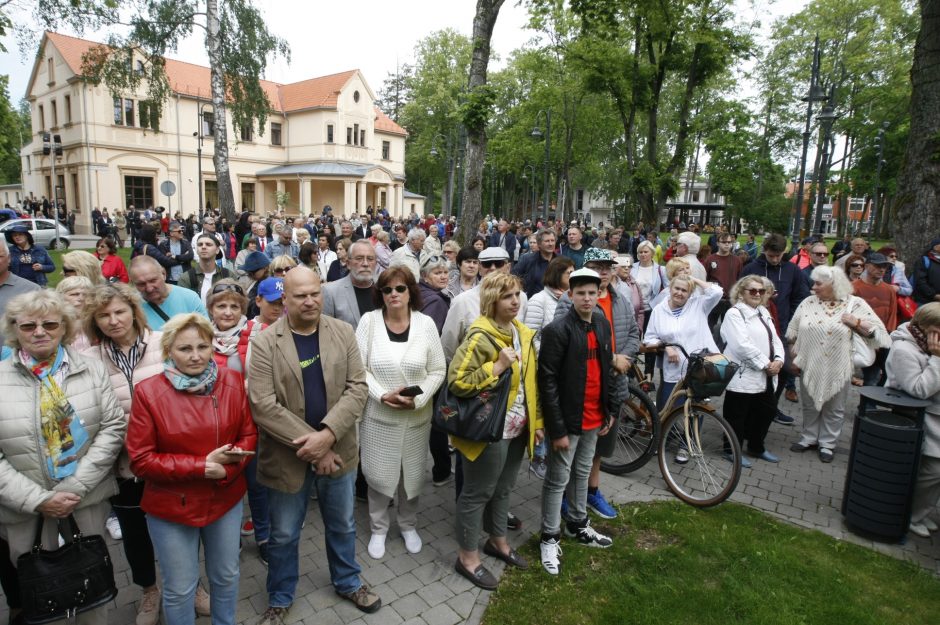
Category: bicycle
[687,422]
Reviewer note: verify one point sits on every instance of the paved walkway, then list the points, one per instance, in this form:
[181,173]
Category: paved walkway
[423,589]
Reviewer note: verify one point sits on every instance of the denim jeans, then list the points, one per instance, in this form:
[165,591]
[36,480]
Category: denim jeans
[177,548]
[568,470]
[287,512]
[257,502]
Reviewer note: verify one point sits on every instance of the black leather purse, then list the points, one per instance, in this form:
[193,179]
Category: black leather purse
[75,578]
[479,418]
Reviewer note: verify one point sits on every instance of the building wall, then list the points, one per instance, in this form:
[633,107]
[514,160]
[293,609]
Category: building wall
[101,149]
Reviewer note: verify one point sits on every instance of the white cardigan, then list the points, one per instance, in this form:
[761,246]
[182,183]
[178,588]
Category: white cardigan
[540,312]
[690,329]
[744,329]
[394,441]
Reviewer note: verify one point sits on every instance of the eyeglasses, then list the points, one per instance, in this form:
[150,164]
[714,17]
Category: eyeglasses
[387,290]
[493,263]
[756,291]
[857,265]
[431,260]
[222,288]
[30,326]
[823,254]
[68,270]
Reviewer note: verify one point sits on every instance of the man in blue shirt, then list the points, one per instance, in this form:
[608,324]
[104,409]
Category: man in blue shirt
[161,300]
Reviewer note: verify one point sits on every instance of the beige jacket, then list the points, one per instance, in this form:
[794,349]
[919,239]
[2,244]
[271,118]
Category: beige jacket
[276,395]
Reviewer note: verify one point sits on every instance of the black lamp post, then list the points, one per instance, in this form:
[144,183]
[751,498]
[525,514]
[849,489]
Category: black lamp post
[199,134]
[537,133]
[880,141]
[445,209]
[816,94]
[826,118]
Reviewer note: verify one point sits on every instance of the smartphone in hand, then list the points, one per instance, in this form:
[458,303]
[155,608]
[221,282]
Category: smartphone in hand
[410,391]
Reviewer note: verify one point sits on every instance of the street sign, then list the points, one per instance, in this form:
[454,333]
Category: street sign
[167,188]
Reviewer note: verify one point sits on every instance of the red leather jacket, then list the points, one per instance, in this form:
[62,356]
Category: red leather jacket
[168,437]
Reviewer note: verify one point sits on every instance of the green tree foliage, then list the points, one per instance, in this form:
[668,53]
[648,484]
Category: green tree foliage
[866,47]
[237,41]
[14,132]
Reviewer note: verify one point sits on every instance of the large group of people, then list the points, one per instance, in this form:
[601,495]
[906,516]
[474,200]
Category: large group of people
[288,361]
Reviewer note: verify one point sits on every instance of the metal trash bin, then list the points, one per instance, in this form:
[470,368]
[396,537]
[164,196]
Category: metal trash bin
[883,463]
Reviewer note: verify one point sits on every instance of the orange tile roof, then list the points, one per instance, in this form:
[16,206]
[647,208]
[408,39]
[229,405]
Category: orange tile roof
[193,80]
[384,123]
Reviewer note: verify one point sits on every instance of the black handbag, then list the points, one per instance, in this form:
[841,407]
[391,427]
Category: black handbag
[479,418]
[75,578]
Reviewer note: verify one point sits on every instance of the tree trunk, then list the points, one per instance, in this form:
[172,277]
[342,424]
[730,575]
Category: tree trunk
[918,196]
[478,114]
[220,130]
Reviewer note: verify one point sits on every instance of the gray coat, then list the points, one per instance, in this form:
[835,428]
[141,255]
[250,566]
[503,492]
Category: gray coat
[24,480]
[339,301]
[917,373]
[626,332]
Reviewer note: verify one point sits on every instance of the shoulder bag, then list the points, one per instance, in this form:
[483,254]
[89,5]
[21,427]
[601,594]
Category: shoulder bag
[62,583]
[863,354]
[479,418]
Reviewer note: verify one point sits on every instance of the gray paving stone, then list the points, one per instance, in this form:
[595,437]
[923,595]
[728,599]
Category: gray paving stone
[409,606]
[442,615]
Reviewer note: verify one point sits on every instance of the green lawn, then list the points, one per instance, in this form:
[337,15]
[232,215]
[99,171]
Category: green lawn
[674,564]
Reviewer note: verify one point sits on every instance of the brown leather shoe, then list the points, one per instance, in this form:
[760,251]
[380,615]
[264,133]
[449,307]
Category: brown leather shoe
[790,394]
[363,598]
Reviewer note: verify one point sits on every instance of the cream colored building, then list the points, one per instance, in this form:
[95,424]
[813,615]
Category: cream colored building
[325,143]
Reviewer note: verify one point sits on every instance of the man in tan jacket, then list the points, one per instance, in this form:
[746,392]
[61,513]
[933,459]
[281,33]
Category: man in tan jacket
[307,389]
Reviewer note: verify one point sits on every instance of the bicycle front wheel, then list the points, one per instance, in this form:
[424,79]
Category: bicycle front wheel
[637,433]
[714,456]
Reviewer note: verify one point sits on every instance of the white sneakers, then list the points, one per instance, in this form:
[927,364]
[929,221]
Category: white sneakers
[929,524]
[551,551]
[377,546]
[412,541]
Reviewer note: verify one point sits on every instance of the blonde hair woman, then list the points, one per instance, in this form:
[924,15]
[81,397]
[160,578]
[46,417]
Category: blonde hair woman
[280,266]
[494,343]
[81,263]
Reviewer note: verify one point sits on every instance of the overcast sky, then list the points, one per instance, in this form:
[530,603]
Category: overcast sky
[371,35]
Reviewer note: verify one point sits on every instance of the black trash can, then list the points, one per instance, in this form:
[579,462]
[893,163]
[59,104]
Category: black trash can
[883,463]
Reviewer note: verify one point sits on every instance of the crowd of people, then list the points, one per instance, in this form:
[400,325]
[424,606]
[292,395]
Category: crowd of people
[287,361]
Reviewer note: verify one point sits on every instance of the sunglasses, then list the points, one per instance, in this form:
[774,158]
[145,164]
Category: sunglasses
[430,260]
[820,253]
[222,288]
[857,265]
[30,326]
[68,270]
[756,291]
[493,263]
[387,290]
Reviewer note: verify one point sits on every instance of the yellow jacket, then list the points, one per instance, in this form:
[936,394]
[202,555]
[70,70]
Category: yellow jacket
[471,371]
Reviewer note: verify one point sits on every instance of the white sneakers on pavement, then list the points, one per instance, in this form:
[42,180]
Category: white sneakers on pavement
[412,541]
[377,546]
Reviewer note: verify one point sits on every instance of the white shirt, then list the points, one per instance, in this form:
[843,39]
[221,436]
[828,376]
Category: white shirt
[689,328]
[206,287]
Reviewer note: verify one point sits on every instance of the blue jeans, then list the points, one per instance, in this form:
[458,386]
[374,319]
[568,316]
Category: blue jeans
[257,502]
[287,512]
[177,548]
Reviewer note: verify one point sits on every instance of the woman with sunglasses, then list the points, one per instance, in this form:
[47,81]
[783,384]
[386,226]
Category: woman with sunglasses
[61,430]
[748,329]
[854,267]
[82,263]
[112,268]
[233,332]
[895,273]
[404,363]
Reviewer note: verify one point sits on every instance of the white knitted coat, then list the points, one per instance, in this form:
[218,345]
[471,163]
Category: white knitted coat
[823,347]
[395,442]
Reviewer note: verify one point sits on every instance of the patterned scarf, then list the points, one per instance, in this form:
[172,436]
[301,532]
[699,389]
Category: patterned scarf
[62,429]
[225,342]
[919,336]
[199,384]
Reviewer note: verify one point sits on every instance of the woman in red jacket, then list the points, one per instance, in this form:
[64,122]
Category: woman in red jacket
[186,439]
[112,267]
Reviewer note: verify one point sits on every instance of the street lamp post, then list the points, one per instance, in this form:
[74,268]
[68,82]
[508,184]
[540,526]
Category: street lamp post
[826,118]
[445,209]
[537,133]
[199,134]
[816,94]
[874,202]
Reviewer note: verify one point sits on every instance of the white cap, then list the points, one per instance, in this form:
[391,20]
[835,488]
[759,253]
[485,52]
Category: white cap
[493,253]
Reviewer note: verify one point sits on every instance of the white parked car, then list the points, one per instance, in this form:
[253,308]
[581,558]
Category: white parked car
[43,231]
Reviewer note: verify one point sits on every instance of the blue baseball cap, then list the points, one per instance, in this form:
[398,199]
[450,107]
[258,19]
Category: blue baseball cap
[271,289]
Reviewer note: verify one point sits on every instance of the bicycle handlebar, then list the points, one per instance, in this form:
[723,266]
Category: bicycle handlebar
[681,349]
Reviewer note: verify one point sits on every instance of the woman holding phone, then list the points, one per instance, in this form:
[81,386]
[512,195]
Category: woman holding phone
[405,366]
[189,435]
